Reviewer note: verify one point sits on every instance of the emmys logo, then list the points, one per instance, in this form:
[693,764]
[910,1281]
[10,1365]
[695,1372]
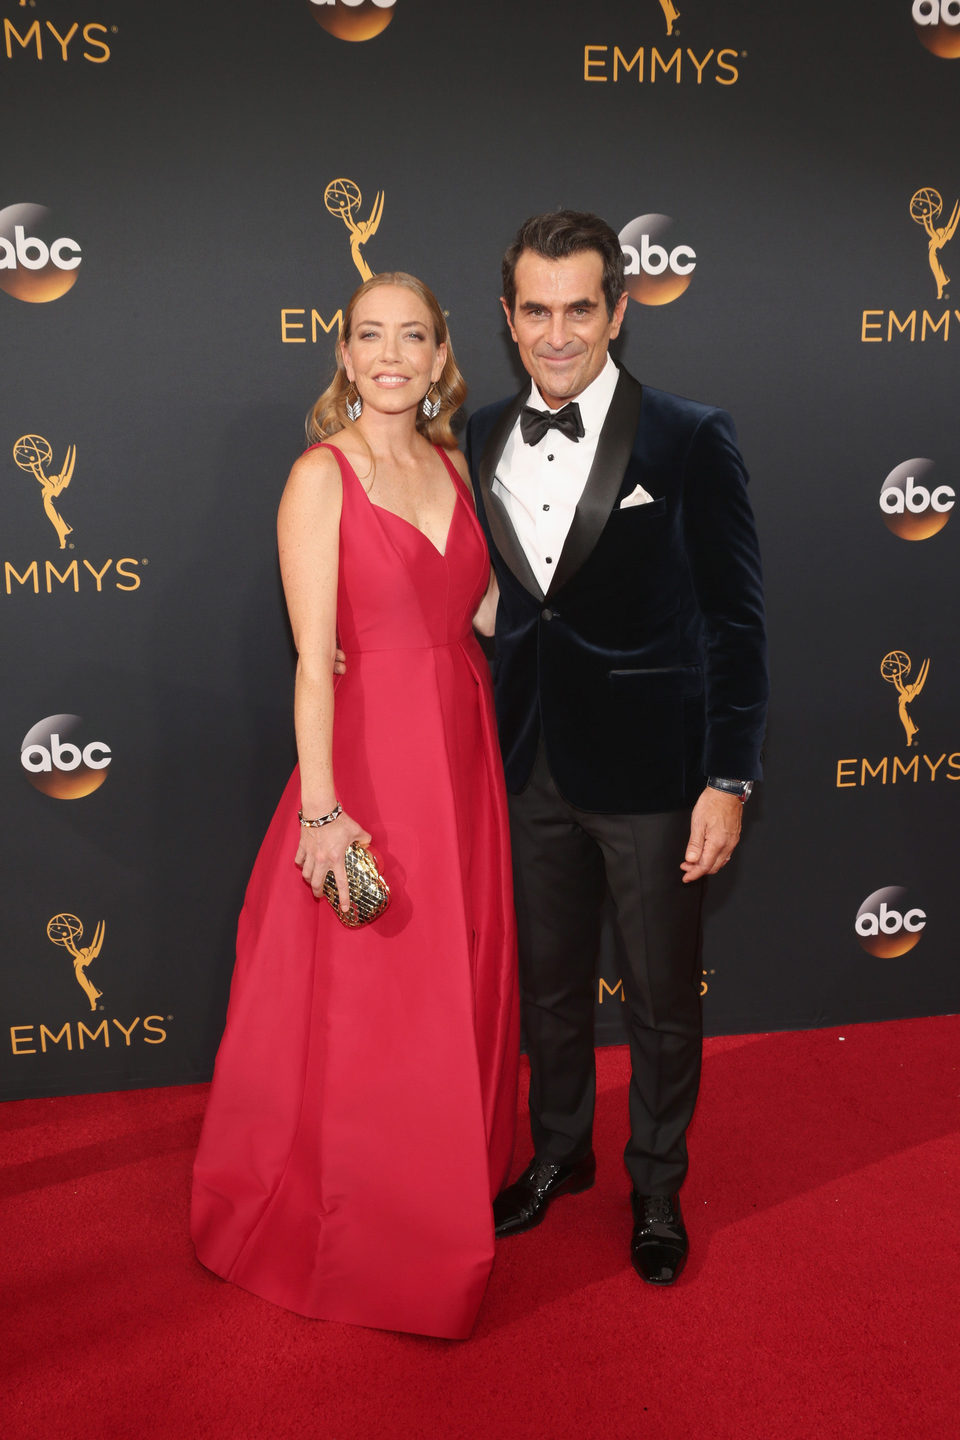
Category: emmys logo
[925,207]
[937,23]
[895,667]
[353,19]
[916,767]
[606,991]
[886,926]
[59,767]
[879,326]
[32,453]
[657,271]
[46,39]
[648,64]
[343,198]
[66,930]
[912,506]
[35,264]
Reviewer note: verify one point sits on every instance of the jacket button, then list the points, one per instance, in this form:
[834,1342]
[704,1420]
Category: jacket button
[546,614]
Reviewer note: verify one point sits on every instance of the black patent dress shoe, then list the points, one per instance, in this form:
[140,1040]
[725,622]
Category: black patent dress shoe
[659,1245]
[524,1203]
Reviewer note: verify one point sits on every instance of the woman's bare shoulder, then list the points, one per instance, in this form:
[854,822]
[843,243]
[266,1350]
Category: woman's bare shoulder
[316,468]
[319,461]
[313,486]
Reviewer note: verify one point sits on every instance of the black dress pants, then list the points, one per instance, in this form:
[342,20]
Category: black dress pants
[565,860]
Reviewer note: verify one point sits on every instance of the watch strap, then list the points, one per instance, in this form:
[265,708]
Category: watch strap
[741,788]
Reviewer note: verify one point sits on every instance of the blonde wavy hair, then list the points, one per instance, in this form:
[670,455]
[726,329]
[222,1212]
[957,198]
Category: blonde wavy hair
[329,414]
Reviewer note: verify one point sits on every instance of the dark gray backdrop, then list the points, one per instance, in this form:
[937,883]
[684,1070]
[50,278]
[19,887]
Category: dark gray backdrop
[190,167]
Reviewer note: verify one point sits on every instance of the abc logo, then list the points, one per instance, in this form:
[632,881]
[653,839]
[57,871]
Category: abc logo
[913,506]
[58,763]
[35,263]
[353,19]
[938,25]
[657,268]
[886,925]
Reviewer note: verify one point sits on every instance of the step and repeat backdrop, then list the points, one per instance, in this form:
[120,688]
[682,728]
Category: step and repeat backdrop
[188,196]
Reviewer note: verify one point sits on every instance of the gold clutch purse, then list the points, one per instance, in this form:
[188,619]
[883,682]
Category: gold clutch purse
[369,892]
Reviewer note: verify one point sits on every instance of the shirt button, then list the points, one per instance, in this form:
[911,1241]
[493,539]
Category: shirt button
[549,457]
[549,559]
[546,507]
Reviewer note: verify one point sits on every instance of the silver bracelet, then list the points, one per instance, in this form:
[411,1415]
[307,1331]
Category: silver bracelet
[335,814]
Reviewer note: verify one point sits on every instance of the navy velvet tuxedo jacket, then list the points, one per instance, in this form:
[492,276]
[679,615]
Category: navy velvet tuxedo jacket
[644,664]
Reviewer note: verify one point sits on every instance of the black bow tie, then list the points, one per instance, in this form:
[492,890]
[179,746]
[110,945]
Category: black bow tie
[534,424]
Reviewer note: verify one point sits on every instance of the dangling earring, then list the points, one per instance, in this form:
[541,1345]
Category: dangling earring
[354,407]
[431,408]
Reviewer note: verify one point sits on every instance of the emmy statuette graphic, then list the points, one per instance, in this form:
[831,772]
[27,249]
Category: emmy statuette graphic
[925,207]
[343,198]
[33,453]
[670,13]
[895,667]
[65,930]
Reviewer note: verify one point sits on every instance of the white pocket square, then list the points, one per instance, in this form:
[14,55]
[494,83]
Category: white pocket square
[639,496]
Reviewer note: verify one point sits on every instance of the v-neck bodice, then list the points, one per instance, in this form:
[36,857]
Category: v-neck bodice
[396,588]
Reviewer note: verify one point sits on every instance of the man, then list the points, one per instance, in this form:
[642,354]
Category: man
[631,685]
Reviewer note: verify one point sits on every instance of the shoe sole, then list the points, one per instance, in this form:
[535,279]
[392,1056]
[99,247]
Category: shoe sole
[569,1187]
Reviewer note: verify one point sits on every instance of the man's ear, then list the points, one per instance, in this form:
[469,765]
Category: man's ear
[619,310]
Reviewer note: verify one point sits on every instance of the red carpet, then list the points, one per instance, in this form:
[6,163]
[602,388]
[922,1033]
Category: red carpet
[820,1301]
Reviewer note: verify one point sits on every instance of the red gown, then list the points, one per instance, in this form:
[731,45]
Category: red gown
[362,1109]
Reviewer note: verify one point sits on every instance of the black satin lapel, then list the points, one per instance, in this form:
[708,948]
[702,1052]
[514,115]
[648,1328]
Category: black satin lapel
[505,539]
[501,530]
[604,481]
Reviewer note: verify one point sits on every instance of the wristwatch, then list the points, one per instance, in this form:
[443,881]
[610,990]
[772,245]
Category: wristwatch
[743,789]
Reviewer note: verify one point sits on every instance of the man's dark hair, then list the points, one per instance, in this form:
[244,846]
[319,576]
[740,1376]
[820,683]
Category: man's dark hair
[558,234]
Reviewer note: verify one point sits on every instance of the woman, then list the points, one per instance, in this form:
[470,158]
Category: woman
[362,1109]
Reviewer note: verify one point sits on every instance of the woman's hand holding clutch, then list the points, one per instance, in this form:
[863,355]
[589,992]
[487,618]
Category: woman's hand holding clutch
[322,849]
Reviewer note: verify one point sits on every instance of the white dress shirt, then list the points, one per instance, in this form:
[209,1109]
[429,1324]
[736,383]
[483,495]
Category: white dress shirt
[540,485]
